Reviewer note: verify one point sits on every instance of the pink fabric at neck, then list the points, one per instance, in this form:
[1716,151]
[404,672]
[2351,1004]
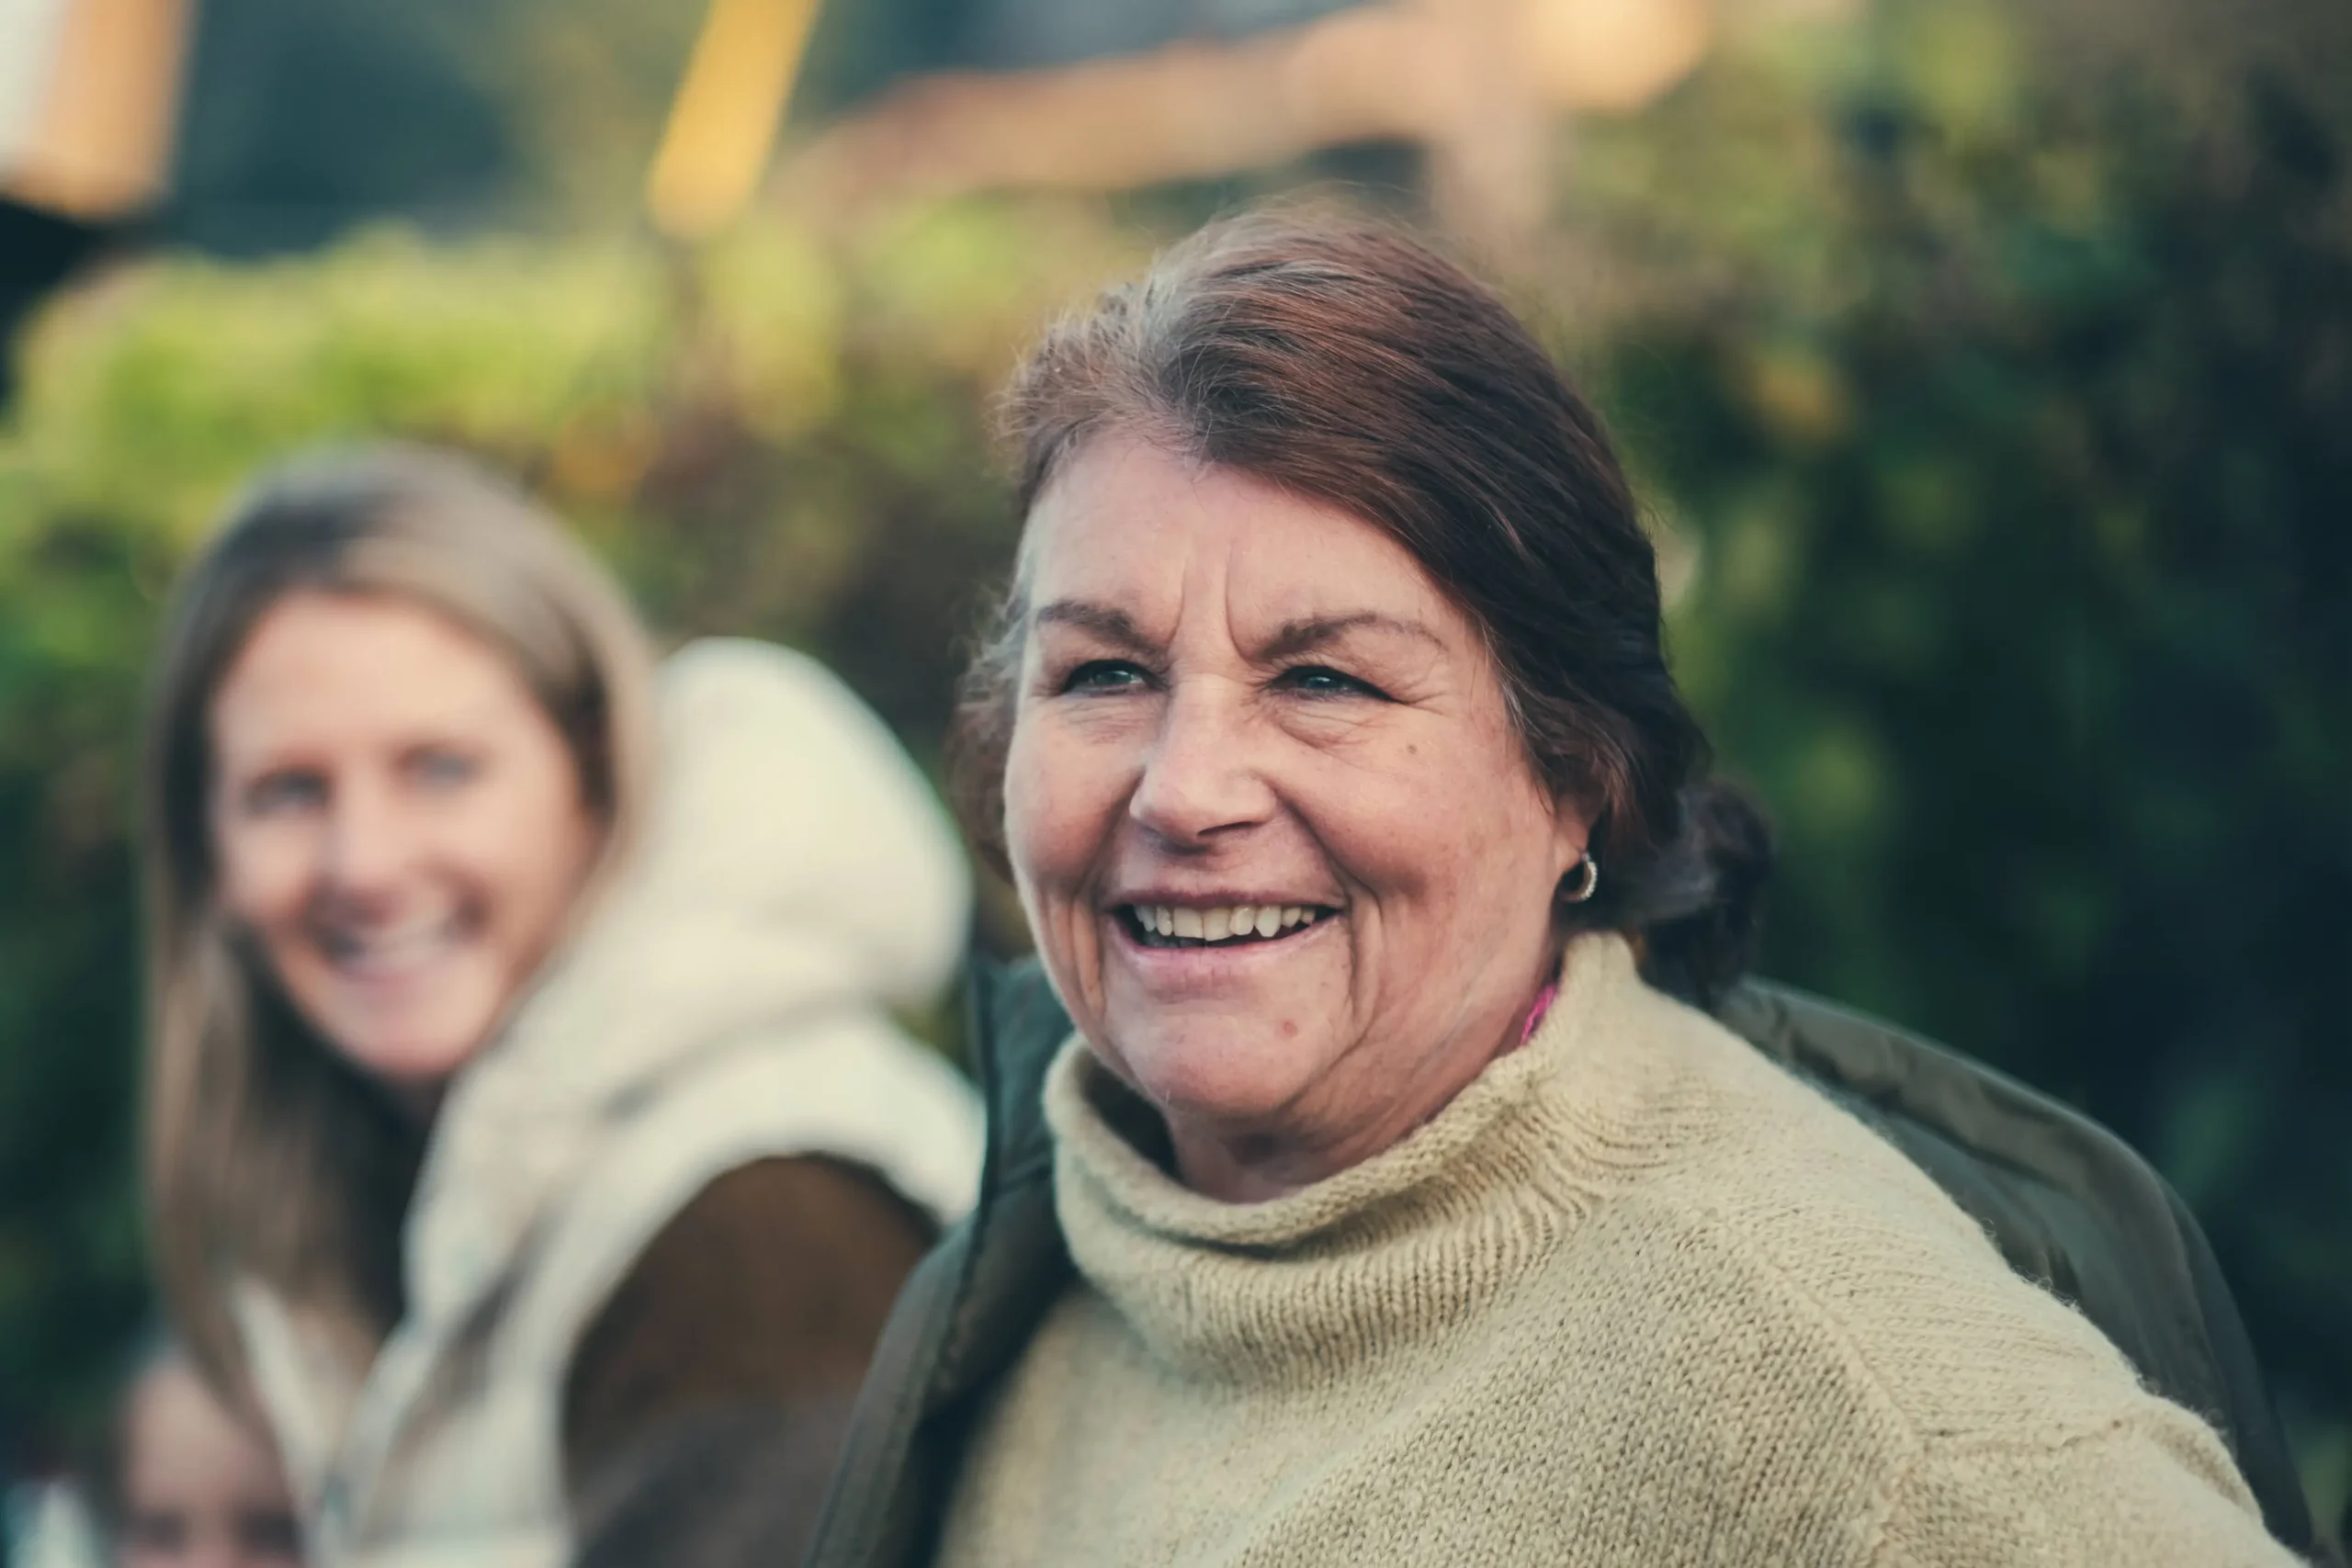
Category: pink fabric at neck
[1544,1000]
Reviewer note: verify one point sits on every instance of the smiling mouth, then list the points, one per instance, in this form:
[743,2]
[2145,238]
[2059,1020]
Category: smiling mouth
[1236,925]
[381,956]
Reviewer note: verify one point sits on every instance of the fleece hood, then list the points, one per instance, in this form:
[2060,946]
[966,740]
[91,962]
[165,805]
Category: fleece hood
[795,868]
[723,1000]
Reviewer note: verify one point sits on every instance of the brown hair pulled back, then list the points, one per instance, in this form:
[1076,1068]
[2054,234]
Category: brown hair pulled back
[1345,361]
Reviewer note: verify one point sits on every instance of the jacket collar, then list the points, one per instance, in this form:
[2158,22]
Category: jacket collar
[1018,1027]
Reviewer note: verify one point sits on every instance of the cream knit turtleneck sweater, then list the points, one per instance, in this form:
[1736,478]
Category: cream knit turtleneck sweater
[1636,1298]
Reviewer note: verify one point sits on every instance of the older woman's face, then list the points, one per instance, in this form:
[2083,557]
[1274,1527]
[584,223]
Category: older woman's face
[1282,850]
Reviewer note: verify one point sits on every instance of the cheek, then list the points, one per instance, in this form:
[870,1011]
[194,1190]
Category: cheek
[535,855]
[1059,800]
[263,877]
[522,841]
[1505,871]
[1443,826]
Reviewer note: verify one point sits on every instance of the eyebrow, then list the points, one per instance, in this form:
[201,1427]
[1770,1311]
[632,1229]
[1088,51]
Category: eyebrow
[1294,637]
[1114,626]
[1319,631]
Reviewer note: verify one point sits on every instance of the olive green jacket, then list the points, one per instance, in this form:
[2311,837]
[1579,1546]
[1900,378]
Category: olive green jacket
[2070,1205]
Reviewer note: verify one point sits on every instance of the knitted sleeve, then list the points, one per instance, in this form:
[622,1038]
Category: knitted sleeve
[2154,1488]
[708,1402]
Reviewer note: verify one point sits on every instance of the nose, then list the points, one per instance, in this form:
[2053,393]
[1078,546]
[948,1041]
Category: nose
[369,845]
[1204,777]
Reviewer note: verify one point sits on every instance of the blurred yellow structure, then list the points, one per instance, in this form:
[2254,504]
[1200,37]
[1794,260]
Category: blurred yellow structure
[723,121]
[86,116]
[1477,84]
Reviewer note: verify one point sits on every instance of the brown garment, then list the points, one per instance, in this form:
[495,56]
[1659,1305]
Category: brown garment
[706,1403]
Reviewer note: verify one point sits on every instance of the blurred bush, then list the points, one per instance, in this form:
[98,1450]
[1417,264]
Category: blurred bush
[1995,429]
[2004,422]
[782,435]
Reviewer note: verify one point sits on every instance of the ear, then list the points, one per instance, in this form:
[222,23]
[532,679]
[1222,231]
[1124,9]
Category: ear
[1572,824]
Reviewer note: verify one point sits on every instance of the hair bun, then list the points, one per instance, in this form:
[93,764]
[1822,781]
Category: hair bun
[1725,846]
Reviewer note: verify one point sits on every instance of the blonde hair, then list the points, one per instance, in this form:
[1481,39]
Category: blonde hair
[267,1157]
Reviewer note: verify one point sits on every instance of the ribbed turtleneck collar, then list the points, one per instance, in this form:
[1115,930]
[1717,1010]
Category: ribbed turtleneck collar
[1389,1251]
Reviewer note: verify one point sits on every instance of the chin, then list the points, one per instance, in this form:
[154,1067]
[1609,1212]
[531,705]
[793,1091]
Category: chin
[423,1056]
[1234,1076]
[411,1064]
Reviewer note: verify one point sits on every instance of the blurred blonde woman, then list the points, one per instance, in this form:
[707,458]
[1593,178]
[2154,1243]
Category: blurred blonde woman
[528,1141]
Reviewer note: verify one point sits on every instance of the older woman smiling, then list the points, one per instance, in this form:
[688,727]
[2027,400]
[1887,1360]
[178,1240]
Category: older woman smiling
[1237,700]
[1403,1209]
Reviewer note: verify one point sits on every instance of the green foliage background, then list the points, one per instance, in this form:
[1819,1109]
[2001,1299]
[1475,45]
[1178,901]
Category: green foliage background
[1999,434]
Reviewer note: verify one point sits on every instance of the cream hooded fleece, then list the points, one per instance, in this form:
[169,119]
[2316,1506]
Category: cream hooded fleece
[723,1004]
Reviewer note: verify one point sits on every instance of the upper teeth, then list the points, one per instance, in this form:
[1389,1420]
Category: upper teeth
[1220,925]
[412,943]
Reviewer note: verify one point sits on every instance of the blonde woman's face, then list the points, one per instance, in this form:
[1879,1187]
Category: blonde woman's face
[397,824]
[199,1489]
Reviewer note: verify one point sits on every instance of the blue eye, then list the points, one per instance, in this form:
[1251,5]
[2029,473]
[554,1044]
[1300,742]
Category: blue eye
[274,795]
[1104,675]
[1320,681]
[437,768]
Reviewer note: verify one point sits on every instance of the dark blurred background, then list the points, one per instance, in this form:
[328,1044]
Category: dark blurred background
[1988,371]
